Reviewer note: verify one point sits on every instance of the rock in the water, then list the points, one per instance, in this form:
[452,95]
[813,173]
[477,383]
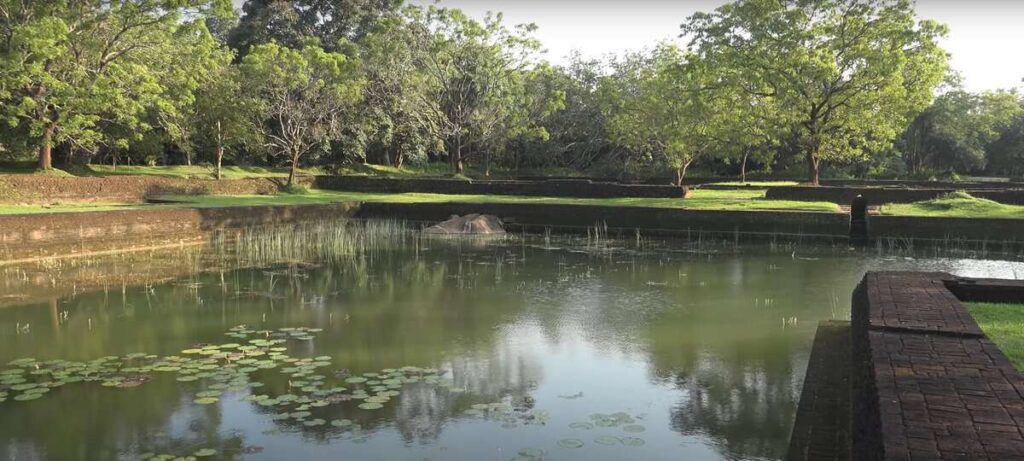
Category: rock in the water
[471,224]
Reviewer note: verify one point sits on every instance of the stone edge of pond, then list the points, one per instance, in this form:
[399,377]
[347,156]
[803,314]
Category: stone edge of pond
[926,382]
[821,429]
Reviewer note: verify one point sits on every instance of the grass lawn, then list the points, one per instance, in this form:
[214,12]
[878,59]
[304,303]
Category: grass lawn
[195,171]
[68,208]
[1004,324]
[736,200]
[698,200]
[956,205]
[758,183]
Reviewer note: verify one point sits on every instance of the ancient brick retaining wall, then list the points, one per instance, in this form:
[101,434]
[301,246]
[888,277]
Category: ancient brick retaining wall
[996,231]
[124,189]
[539,216]
[882,195]
[68,234]
[927,383]
[549,188]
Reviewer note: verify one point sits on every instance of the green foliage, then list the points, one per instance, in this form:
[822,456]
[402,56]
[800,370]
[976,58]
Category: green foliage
[86,74]
[303,96]
[955,132]
[845,77]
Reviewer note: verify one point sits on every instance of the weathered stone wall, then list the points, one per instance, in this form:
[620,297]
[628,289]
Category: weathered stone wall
[651,220]
[994,230]
[927,382]
[883,195]
[549,188]
[68,234]
[125,189]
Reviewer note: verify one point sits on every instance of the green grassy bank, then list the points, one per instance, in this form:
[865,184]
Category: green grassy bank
[956,205]
[734,200]
[1004,324]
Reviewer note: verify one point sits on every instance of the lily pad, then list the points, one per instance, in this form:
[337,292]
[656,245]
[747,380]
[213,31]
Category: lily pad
[607,440]
[632,441]
[206,400]
[581,425]
[634,428]
[314,422]
[341,423]
[205,452]
[370,406]
[570,443]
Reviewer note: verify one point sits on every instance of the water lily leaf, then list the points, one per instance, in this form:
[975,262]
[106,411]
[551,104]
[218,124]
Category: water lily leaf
[370,406]
[581,425]
[635,428]
[607,440]
[314,422]
[341,423]
[206,400]
[632,441]
[28,396]
[205,452]
[570,443]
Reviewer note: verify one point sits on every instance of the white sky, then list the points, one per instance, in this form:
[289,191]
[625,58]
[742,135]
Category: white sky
[986,38]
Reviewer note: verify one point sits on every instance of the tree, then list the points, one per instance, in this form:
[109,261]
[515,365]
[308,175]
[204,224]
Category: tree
[847,75]
[68,68]
[473,75]
[955,132]
[395,114]
[302,96]
[333,23]
[663,106]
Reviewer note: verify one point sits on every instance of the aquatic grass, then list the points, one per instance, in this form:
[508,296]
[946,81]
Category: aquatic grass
[323,240]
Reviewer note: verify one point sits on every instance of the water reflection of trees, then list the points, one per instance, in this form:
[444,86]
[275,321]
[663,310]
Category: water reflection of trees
[702,323]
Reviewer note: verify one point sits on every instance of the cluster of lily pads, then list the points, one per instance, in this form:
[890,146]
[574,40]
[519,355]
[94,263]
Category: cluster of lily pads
[600,420]
[511,416]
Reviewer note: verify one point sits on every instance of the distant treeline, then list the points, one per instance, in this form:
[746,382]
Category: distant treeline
[761,85]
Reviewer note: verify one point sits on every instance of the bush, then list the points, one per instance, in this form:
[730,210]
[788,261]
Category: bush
[295,189]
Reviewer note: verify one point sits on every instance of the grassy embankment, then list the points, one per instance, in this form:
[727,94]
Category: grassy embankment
[736,200]
[1004,325]
[956,205]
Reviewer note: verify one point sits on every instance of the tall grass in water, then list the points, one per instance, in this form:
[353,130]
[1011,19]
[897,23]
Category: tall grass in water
[327,240]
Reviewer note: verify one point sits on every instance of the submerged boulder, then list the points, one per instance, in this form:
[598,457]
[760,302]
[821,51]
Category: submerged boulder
[471,224]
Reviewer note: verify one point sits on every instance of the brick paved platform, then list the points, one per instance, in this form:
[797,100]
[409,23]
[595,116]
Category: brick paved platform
[822,428]
[927,384]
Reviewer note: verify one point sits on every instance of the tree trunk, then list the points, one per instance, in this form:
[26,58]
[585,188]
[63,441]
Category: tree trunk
[220,149]
[813,164]
[188,158]
[46,148]
[743,166]
[681,173]
[295,166]
[456,157]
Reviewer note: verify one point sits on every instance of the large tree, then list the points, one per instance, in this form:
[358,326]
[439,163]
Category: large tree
[663,106]
[474,77]
[303,96]
[68,70]
[846,75]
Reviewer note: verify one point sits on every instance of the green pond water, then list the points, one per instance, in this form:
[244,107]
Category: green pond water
[520,348]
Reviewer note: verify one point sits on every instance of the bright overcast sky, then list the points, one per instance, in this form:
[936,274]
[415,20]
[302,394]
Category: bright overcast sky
[986,37]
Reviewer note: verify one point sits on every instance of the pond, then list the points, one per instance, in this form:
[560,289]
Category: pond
[524,347]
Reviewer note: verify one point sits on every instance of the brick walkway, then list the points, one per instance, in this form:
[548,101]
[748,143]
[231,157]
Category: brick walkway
[822,428]
[930,384]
